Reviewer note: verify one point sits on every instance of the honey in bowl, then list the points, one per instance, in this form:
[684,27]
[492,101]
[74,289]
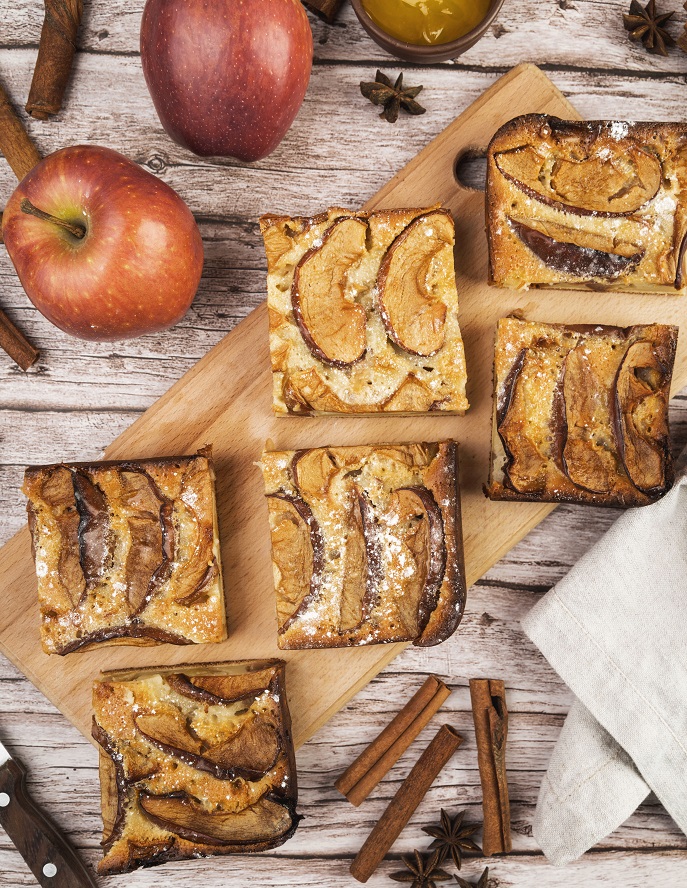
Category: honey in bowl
[426,22]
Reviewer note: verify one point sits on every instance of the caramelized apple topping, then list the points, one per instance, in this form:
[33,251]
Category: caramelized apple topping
[169,731]
[411,308]
[220,689]
[610,183]
[305,390]
[255,747]
[412,396]
[194,549]
[415,511]
[588,454]
[298,552]
[58,493]
[641,416]
[149,561]
[179,813]
[331,322]
[569,258]
[313,471]
[524,423]
[239,756]
[95,539]
[359,589]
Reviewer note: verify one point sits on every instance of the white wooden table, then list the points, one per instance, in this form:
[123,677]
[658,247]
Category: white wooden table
[81,395]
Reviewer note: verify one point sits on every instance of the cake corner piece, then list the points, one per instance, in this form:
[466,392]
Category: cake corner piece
[580,413]
[587,204]
[196,760]
[126,552]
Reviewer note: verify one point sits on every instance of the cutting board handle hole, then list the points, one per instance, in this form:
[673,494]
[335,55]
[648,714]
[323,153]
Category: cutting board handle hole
[470,168]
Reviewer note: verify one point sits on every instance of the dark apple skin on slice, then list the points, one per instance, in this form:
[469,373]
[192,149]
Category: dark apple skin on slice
[347,343]
[177,813]
[95,540]
[568,207]
[624,456]
[568,258]
[304,512]
[387,313]
[436,562]
[643,382]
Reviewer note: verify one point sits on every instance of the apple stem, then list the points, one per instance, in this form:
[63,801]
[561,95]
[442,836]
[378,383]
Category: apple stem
[77,230]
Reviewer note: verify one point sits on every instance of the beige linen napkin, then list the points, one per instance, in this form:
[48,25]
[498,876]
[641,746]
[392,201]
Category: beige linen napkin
[615,630]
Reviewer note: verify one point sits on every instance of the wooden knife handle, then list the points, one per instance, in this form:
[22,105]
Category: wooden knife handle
[46,852]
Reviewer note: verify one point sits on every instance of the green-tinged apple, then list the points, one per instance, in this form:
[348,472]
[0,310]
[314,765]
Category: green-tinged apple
[102,248]
[227,77]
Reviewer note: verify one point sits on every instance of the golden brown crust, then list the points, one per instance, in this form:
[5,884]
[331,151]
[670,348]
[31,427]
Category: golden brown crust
[581,413]
[366,544]
[360,304]
[194,762]
[126,552]
[597,204]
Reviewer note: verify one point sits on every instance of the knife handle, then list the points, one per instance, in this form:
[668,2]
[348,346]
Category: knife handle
[46,852]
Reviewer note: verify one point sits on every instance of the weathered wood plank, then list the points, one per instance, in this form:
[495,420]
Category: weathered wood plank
[551,30]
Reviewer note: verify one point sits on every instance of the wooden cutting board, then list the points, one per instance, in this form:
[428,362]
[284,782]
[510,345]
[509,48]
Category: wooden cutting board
[225,400]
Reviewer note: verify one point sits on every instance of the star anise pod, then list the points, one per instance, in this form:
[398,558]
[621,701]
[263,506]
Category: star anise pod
[483,880]
[423,870]
[451,837]
[645,24]
[393,96]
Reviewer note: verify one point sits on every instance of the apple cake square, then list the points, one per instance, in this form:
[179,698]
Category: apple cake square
[587,204]
[126,552]
[366,544]
[363,312]
[195,761]
[581,413]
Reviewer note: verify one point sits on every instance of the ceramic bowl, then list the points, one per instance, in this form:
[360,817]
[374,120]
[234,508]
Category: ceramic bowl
[412,52]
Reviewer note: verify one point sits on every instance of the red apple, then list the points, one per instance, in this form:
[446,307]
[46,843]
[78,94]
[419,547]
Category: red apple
[132,260]
[227,77]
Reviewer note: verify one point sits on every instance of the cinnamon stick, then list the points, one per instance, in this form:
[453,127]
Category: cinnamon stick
[490,715]
[15,343]
[326,9]
[55,56]
[22,155]
[358,781]
[401,807]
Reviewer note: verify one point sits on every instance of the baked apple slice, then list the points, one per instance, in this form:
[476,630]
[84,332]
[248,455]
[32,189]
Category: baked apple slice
[313,471]
[598,185]
[298,553]
[57,491]
[266,820]
[249,754]
[588,451]
[254,748]
[417,515]
[362,566]
[640,399]
[219,689]
[332,324]
[411,308]
[95,539]
[569,258]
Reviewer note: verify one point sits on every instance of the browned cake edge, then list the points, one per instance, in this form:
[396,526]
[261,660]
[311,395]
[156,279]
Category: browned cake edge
[448,611]
[498,492]
[526,123]
[141,636]
[111,784]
